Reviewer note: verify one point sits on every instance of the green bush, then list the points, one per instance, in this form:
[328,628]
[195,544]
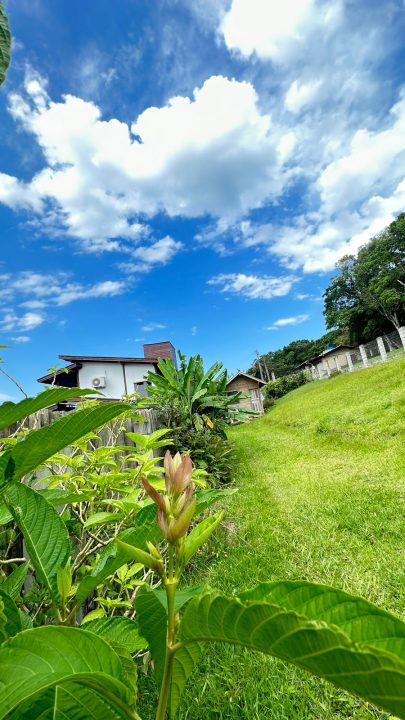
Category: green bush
[277,388]
[208,451]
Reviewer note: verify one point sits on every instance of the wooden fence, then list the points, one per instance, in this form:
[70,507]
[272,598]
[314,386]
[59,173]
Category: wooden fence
[47,417]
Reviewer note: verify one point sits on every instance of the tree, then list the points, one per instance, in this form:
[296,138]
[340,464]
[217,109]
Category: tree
[5,44]
[368,294]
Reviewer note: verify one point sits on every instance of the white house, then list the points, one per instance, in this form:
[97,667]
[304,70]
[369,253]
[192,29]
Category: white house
[114,376]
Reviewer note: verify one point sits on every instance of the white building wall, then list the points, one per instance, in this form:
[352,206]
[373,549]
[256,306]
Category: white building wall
[114,375]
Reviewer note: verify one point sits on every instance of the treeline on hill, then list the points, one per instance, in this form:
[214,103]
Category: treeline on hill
[285,360]
[365,299]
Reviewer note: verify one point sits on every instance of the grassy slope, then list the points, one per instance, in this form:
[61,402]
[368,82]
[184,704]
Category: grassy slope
[320,497]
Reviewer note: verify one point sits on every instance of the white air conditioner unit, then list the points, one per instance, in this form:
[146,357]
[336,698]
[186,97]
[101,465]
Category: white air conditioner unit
[99,382]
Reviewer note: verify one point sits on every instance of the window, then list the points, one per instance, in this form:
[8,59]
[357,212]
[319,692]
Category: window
[141,388]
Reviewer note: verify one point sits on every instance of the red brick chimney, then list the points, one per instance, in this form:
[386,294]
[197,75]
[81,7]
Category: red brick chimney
[155,351]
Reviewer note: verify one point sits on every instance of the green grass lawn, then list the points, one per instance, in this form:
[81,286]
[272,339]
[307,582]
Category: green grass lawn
[321,497]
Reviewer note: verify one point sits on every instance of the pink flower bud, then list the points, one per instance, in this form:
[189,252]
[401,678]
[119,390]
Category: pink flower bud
[163,522]
[182,476]
[179,526]
[159,499]
[183,500]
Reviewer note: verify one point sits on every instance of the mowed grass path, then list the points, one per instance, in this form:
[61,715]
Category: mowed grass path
[321,497]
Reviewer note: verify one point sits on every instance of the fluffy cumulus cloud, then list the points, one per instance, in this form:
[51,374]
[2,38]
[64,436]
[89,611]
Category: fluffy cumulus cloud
[254,287]
[215,153]
[285,322]
[276,30]
[145,257]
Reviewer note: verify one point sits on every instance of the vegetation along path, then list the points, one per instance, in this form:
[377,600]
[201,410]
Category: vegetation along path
[321,489]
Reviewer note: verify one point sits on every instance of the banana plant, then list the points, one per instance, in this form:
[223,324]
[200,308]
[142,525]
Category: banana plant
[201,395]
[5,44]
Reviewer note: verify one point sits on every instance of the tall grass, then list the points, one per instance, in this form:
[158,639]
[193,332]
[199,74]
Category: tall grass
[321,497]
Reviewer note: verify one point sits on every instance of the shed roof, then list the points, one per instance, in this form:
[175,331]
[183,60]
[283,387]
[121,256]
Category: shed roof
[251,377]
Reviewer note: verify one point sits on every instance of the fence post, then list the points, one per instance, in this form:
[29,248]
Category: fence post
[363,355]
[381,347]
[349,362]
[401,331]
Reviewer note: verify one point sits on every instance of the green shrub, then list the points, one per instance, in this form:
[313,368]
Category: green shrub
[208,451]
[277,388]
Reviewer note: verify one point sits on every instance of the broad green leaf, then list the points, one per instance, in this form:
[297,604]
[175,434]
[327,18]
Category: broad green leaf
[112,558]
[182,596]
[198,536]
[5,44]
[102,518]
[57,496]
[5,515]
[120,630]
[64,581]
[206,498]
[342,638]
[138,439]
[10,622]
[11,413]
[14,582]
[184,663]
[51,656]
[41,444]
[26,620]
[44,532]
[128,666]
[152,621]
[69,701]
[93,615]
[135,553]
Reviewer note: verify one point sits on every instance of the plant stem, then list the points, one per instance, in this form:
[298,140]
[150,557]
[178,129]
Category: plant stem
[170,583]
[13,381]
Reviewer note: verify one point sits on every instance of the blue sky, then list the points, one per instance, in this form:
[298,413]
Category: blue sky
[190,170]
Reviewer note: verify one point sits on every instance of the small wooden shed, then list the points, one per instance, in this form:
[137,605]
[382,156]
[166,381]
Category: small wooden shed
[251,387]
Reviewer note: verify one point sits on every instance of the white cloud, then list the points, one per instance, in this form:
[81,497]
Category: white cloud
[276,30]
[146,257]
[375,159]
[213,154]
[194,330]
[301,95]
[253,286]
[21,339]
[150,327]
[284,322]
[28,321]
[37,291]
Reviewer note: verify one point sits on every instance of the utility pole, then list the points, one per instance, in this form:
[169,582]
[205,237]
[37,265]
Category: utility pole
[260,365]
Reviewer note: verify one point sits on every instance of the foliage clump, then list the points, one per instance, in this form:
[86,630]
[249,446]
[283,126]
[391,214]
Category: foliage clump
[195,405]
[281,386]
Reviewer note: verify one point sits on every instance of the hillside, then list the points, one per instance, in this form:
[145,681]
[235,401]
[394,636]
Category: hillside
[321,490]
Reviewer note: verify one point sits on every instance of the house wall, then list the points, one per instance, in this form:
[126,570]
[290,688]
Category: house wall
[329,362]
[244,385]
[113,372]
